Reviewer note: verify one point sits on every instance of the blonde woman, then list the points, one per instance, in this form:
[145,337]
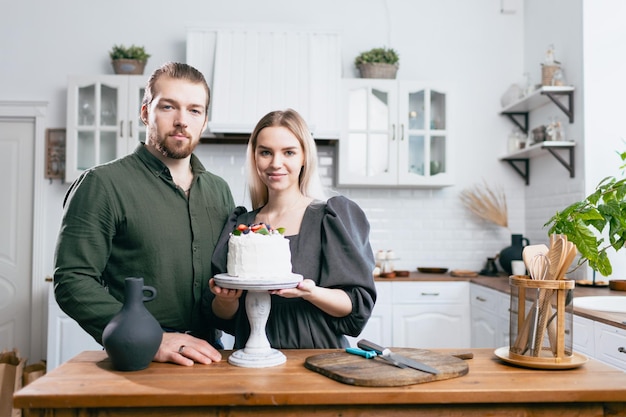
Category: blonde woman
[329,241]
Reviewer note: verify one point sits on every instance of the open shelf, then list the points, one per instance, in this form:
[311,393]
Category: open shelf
[518,111]
[520,160]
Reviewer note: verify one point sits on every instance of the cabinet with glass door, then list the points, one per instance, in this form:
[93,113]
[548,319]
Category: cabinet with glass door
[103,120]
[394,133]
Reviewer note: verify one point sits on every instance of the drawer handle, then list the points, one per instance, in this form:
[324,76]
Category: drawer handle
[621,349]
[481,299]
[434,294]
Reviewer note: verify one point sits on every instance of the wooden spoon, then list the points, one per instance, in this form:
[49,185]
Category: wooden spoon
[555,254]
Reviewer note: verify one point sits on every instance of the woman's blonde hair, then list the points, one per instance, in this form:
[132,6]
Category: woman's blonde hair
[310,182]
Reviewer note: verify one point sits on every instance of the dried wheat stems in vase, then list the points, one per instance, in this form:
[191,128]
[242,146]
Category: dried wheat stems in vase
[487,204]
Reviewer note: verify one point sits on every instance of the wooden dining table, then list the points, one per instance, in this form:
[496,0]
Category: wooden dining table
[87,385]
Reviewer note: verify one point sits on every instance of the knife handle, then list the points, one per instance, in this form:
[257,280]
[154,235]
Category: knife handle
[365,353]
[367,345]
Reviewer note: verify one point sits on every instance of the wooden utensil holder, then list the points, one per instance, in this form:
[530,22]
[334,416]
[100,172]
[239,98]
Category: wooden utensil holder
[541,318]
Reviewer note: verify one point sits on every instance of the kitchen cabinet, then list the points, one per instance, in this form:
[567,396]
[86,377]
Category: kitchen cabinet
[490,317]
[610,345]
[394,133]
[103,120]
[600,341]
[420,314]
[583,338]
[519,112]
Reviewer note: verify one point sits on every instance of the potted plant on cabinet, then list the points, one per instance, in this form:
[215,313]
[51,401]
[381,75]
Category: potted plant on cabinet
[128,60]
[378,63]
[601,212]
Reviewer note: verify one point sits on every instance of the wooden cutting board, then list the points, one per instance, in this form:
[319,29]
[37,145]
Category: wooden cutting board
[357,370]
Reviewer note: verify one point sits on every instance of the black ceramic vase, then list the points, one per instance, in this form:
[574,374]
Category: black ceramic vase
[133,336]
[513,252]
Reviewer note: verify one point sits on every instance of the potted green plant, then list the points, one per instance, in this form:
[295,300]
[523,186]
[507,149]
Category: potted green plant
[128,60]
[378,63]
[587,223]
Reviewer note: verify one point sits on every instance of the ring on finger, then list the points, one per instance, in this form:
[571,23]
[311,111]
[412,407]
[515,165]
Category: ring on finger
[181,348]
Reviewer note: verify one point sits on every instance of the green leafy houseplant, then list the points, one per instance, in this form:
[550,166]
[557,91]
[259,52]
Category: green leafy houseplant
[378,55]
[378,63]
[132,52]
[603,211]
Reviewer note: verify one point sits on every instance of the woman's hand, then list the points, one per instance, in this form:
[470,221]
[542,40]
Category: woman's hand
[304,289]
[333,301]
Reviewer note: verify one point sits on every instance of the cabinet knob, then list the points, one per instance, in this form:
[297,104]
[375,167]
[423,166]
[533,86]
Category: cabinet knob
[621,349]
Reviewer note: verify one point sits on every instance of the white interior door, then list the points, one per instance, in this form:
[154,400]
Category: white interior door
[17,144]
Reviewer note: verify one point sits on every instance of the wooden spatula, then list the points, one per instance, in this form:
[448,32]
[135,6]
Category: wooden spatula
[567,259]
[555,254]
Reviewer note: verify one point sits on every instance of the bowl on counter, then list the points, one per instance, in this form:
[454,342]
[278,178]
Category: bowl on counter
[432,270]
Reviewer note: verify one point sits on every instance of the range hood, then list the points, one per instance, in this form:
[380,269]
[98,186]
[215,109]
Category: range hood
[253,72]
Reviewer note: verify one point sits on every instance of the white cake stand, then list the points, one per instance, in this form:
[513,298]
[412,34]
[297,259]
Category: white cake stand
[257,353]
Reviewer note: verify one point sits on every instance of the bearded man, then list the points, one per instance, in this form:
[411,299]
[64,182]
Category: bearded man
[157,214]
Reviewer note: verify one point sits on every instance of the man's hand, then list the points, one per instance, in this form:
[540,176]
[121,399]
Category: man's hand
[184,349]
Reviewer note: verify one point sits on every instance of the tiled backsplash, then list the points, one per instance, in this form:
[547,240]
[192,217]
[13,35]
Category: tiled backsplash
[424,227]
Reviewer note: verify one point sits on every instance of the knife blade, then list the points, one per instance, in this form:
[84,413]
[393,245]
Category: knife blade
[386,353]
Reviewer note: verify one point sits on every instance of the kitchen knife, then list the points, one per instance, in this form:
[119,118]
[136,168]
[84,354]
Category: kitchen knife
[387,354]
[369,354]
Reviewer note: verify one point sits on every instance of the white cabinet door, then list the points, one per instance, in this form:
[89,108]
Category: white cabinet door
[490,317]
[66,338]
[583,336]
[423,138]
[431,314]
[136,130]
[369,145]
[431,326]
[102,120]
[610,345]
[484,328]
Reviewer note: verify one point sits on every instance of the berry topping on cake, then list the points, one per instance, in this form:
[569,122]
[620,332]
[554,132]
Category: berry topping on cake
[260,228]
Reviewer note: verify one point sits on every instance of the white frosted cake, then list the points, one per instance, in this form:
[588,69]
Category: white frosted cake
[258,252]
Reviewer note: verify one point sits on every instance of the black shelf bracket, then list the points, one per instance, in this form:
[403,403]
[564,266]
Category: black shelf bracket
[524,173]
[569,110]
[522,165]
[568,165]
[513,117]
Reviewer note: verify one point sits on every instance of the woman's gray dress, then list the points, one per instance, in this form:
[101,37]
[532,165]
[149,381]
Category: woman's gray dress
[333,250]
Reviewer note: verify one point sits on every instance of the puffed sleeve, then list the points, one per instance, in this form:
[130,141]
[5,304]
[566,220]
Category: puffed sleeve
[348,262]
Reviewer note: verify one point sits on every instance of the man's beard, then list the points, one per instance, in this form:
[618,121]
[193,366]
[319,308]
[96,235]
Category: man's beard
[175,150]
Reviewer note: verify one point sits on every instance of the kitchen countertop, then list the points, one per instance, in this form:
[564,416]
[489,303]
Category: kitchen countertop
[87,385]
[501,283]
